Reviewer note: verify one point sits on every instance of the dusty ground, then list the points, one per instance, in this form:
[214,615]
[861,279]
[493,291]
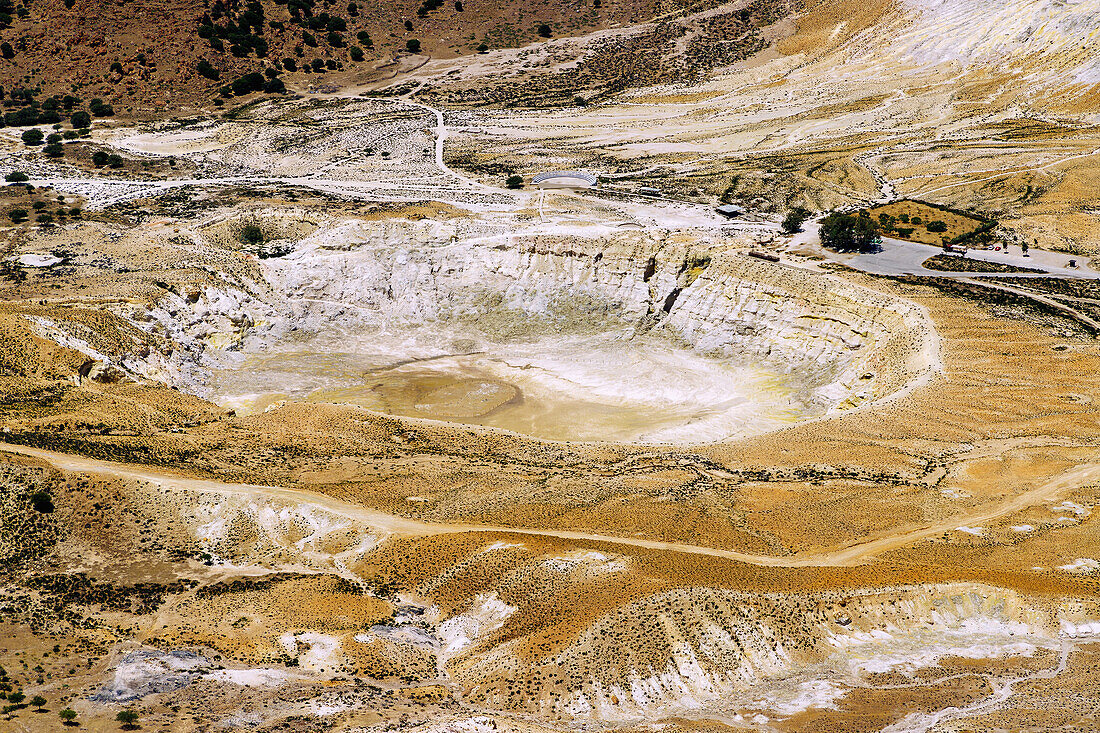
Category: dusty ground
[915,549]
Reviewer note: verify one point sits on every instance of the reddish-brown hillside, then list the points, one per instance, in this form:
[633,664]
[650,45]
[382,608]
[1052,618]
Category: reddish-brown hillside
[143,55]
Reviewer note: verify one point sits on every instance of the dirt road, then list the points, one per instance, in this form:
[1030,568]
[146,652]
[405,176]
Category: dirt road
[849,556]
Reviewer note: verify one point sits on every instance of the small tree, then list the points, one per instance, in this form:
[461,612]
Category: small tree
[355,53]
[16,177]
[795,218]
[514,181]
[33,136]
[6,50]
[128,718]
[17,216]
[42,503]
[54,150]
[937,226]
[206,69]
[544,30]
[251,234]
[80,118]
[38,702]
[68,716]
[412,45]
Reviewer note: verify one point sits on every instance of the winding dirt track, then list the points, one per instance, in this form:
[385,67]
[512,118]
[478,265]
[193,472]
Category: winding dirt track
[1050,491]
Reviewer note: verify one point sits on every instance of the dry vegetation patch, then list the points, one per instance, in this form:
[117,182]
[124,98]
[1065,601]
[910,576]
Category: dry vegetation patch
[917,221]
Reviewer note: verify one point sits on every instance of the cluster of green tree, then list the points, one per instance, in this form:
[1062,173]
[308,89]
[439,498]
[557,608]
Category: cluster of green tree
[983,234]
[102,158]
[243,29]
[268,83]
[8,692]
[6,10]
[847,233]
[15,698]
[51,111]
[428,6]
[18,215]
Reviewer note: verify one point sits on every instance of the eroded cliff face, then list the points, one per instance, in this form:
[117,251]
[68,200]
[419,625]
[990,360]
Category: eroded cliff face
[838,344]
[696,649]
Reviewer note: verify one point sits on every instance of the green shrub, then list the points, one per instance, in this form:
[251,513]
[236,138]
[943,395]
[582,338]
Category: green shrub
[937,226]
[514,181]
[412,45]
[99,109]
[251,234]
[33,136]
[206,69]
[253,82]
[16,177]
[796,217]
[80,118]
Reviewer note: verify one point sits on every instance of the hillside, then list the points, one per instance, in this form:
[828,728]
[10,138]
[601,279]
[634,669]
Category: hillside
[145,56]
